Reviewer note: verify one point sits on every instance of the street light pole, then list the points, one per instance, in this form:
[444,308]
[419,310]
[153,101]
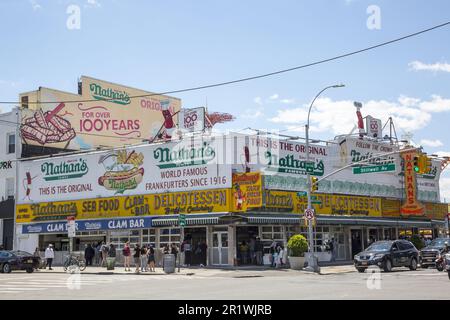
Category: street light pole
[312,262]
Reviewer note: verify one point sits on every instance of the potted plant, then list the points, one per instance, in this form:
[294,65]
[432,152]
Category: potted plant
[297,246]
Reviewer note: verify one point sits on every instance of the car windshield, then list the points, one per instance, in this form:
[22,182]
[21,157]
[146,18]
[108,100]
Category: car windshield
[380,246]
[439,242]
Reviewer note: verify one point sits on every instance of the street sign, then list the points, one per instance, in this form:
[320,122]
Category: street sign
[373,169]
[182,220]
[302,194]
[309,214]
[71,227]
[316,202]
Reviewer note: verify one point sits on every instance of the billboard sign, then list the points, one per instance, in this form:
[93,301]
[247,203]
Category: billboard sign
[105,114]
[192,120]
[146,169]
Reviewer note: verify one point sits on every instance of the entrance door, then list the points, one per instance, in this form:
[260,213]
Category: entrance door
[356,241]
[220,248]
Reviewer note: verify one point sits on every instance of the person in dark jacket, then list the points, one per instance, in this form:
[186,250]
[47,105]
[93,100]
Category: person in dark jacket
[112,251]
[89,254]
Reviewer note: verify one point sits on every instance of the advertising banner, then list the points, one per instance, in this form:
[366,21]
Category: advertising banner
[88,225]
[202,201]
[325,203]
[411,205]
[108,116]
[147,169]
[192,120]
[283,164]
[247,191]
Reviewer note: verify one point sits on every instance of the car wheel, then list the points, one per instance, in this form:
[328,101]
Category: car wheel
[361,269]
[387,266]
[413,265]
[29,270]
[6,268]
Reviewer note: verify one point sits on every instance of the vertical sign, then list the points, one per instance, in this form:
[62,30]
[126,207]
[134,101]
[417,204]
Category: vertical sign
[247,191]
[71,228]
[411,205]
[192,120]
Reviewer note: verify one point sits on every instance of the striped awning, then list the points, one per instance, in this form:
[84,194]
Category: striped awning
[367,221]
[193,221]
[273,220]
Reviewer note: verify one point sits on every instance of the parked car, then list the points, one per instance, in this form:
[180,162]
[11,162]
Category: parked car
[18,260]
[430,253]
[387,255]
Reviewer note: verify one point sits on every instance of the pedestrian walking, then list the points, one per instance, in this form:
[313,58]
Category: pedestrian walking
[259,248]
[279,258]
[151,258]
[252,250]
[37,254]
[126,251]
[174,250]
[244,252]
[49,256]
[89,254]
[187,248]
[144,259]
[203,248]
[104,251]
[137,257]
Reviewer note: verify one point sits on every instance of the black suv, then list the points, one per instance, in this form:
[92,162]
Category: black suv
[387,255]
[429,254]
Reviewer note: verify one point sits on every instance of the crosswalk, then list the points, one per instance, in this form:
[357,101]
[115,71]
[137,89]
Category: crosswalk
[11,284]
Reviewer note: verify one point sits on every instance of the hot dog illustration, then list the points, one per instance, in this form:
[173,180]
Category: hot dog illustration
[123,170]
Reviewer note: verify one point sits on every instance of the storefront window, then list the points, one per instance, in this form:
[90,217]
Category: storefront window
[169,236]
[270,233]
[149,236]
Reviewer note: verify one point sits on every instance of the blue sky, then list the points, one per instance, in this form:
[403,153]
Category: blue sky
[167,45]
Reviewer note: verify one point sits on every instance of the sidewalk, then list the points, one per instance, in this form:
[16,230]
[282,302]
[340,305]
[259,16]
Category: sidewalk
[222,271]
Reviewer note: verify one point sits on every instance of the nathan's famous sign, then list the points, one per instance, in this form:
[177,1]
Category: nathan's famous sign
[201,201]
[104,114]
[146,169]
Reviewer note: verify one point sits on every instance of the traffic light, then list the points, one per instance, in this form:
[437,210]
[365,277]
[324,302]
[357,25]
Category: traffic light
[314,184]
[417,164]
[428,165]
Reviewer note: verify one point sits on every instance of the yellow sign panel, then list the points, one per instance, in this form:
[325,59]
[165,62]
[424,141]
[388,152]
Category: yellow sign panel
[392,208]
[202,201]
[247,191]
[326,203]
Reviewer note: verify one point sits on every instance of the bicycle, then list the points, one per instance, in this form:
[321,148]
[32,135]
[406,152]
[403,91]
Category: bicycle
[73,261]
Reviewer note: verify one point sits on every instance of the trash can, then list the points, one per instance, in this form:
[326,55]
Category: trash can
[169,263]
[110,262]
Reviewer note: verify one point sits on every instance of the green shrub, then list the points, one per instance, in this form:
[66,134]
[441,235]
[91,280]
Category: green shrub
[297,245]
[417,242]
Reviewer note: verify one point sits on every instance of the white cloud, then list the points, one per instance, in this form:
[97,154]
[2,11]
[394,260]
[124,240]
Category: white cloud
[35,5]
[437,104]
[258,100]
[274,97]
[339,117]
[435,67]
[93,4]
[252,113]
[287,101]
[431,143]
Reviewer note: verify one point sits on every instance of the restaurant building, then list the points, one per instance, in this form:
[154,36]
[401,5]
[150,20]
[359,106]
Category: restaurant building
[231,189]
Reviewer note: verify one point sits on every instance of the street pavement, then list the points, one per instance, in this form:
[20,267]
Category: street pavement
[337,282]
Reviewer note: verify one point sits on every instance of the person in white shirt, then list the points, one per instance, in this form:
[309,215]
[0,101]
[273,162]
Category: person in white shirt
[49,256]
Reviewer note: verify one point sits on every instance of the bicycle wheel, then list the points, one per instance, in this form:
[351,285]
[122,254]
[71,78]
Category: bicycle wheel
[82,265]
